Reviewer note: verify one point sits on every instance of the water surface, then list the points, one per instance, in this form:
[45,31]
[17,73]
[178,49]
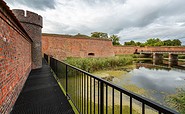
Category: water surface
[157,81]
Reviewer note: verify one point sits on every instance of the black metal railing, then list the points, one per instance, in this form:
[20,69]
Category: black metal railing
[93,95]
[46,57]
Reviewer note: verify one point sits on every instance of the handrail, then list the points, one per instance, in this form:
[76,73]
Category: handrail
[172,52]
[102,86]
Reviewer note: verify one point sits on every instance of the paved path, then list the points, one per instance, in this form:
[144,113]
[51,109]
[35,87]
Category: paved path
[41,94]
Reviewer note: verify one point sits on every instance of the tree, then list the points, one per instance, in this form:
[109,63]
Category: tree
[155,42]
[138,43]
[167,43]
[115,40]
[160,43]
[99,35]
[152,41]
[177,42]
[131,43]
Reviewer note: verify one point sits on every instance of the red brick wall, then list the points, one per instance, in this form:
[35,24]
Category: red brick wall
[120,50]
[61,46]
[15,60]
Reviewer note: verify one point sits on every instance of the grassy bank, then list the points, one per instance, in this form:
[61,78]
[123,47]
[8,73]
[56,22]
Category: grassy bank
[177,100]
[96,64]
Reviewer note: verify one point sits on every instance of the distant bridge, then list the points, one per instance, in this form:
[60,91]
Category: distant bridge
[163,52]
[158,55]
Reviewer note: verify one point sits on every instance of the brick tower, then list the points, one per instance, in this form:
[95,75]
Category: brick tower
[32,23]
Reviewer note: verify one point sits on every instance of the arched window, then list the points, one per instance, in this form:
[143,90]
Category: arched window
[91,54]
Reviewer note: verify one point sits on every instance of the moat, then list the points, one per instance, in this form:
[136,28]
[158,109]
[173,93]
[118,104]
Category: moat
[156,82]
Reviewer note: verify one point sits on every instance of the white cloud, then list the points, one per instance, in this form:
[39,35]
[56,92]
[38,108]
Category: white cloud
[130,19]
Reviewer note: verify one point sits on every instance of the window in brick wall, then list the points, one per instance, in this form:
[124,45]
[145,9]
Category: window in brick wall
[91,54]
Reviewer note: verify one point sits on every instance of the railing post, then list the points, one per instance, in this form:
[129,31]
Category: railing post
[66,79]
[50,63]
[56,68]
[101,97]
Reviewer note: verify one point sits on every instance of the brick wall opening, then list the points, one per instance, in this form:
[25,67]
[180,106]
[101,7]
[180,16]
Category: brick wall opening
[91,54]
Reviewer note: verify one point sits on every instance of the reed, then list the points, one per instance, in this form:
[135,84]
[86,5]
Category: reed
[96,64]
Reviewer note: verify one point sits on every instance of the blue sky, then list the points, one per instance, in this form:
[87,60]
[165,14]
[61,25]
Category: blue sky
[135,20]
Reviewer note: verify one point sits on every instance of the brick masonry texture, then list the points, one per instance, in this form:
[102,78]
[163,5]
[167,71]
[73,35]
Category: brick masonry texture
[15,60]
[120,50]
[62,46]
[32,23]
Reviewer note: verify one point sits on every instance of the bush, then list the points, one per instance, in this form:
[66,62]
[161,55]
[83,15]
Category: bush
[95,64]
[181,56]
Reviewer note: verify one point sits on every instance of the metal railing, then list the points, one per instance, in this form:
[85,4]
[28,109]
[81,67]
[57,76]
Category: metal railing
[93,95]
[161,52]
[46,57]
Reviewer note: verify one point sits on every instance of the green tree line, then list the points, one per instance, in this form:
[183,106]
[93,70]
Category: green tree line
[155,42]
[150,42]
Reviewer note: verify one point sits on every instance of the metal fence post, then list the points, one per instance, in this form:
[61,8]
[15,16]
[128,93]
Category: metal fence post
[101,97]
[56,68]
[50,63]
[66,79]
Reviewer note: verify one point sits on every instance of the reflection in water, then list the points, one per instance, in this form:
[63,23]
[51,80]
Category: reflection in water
[155,82]
[158,80]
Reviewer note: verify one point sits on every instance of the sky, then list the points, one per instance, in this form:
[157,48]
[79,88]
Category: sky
[136,20]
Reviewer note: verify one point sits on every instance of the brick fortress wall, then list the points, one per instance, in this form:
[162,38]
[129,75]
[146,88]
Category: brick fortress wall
[62,46]
[120,50]
[15,58]
[32,23]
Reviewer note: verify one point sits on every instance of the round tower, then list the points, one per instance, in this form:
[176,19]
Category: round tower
[32,23]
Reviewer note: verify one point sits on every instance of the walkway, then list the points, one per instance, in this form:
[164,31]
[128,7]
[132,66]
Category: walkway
[42,95]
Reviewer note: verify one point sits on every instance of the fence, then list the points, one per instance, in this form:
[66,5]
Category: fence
[93,95]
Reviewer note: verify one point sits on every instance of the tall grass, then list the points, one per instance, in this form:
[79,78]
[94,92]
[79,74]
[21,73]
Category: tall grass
[178,100]
[95,64]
